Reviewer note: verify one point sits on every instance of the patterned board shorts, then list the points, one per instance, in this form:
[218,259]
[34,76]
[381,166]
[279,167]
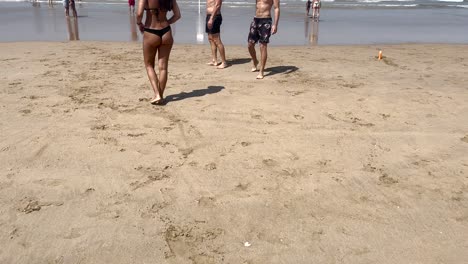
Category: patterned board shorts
[260,30]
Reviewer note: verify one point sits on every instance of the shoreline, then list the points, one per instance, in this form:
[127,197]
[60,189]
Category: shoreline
[337,26]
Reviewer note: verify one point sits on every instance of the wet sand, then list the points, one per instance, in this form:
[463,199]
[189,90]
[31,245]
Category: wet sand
[335,157]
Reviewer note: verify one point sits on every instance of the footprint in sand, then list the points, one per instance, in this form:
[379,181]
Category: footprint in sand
[384,116]
[99,127]
[352,85]
[256,116]
[385,179]
[245,144]
[49,182]
[193,240]
[242,186]
[210,166]
[464,139]
[152,174]
[369,168]
[31,206]
[270,162]
[14,233]
[73,233]
[136,134]
[186,152]
[298,117]
[207,201]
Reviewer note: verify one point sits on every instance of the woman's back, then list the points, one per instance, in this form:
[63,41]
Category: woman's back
[156,11]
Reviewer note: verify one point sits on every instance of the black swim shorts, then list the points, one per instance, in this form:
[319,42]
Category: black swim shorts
[218,20]
[260,30]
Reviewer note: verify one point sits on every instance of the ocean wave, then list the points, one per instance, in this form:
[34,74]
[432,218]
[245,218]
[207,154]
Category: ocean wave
[452,1]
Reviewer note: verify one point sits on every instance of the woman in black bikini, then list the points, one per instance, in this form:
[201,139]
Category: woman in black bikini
[157,38]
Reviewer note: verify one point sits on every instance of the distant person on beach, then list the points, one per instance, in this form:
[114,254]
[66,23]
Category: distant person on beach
[261,29]
[131,6]
[157,39]
[308,4]
[213,28]
[67,4]
[316,5]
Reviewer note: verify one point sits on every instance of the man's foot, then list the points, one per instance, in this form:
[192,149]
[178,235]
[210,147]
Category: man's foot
[213,63]
[260,76]
[255,64]
[222,65]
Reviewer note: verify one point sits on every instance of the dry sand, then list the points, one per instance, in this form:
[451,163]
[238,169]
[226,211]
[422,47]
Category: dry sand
[334,157]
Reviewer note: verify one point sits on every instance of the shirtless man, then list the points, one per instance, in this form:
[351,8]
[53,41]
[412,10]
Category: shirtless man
[213,28]
[261,29]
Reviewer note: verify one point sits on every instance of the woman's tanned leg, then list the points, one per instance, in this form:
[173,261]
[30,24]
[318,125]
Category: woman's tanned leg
[163,60]
[150,46]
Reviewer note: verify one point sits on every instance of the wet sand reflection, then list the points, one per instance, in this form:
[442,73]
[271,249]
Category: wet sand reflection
[133,27]
[311,32]
[72,27]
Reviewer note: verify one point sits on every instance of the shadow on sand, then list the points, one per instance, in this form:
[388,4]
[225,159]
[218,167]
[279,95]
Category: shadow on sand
[238,61]
[280,69]
[194,93]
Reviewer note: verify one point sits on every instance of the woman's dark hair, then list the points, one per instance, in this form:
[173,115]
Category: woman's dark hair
[165,5]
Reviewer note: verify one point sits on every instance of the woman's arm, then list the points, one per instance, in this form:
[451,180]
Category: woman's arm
[139,15]
[176,11]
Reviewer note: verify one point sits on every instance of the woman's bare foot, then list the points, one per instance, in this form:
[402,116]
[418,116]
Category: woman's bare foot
[260,75]
[222,65]
[212,63]
[157,101]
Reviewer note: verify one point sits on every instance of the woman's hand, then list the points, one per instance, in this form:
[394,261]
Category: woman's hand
[141,27]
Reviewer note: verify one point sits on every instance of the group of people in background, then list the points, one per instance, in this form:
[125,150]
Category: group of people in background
[158,40]
[316,5]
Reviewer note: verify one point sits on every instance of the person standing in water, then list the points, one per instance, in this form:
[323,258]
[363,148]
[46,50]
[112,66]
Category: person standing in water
[316,5]
[308,4]
[131,6]
[67,4]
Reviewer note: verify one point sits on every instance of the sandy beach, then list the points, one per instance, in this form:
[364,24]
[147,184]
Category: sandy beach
[335,157]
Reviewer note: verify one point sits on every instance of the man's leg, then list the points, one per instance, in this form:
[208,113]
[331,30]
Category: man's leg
[214,51]
[263,59]
[253,54]
[220,46]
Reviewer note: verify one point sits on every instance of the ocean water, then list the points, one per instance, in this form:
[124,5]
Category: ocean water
[325,3]
[342,22]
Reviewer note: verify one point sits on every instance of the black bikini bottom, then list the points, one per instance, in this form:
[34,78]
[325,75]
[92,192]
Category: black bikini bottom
[158,32]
